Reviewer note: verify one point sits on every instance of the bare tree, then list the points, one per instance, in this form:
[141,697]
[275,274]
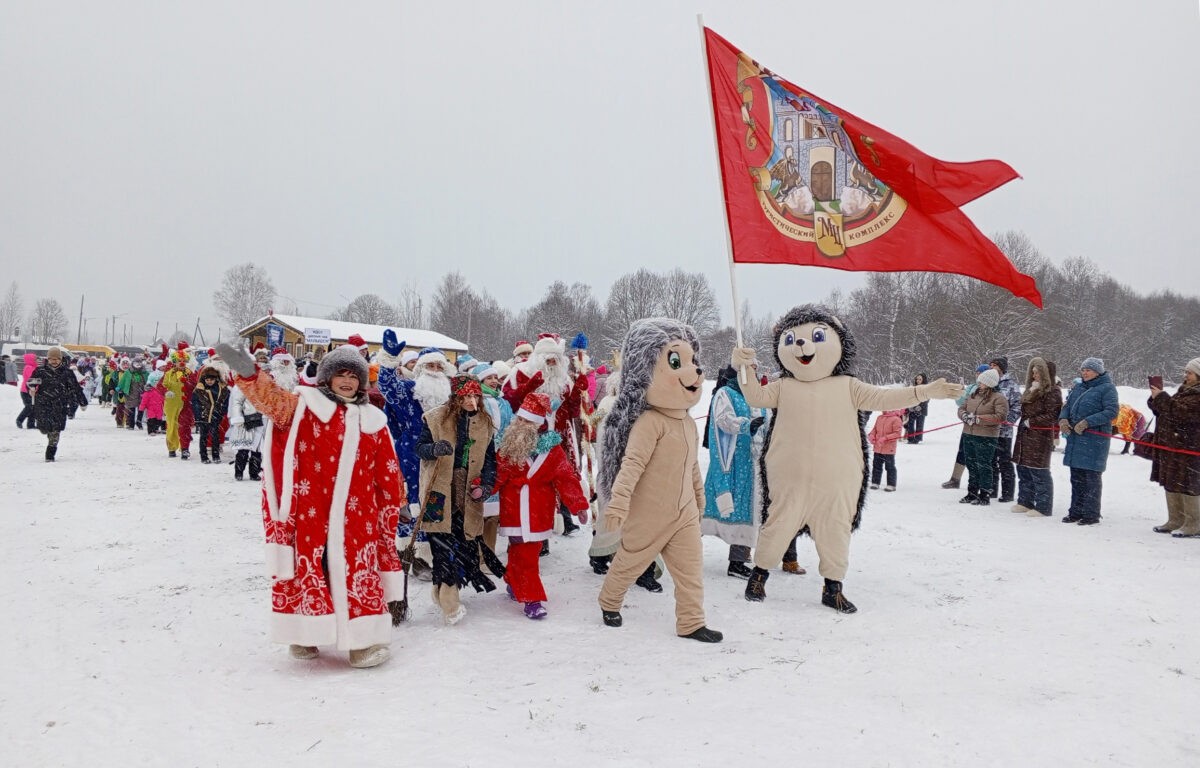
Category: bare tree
[246,294]
[633,297]
[409,308]
[48,322]
[11,309]
[687,296]
[370,309]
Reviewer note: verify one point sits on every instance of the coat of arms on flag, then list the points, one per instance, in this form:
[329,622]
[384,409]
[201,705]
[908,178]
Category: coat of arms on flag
[809,183]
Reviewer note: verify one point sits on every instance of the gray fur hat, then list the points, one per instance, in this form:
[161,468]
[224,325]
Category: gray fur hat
[639,355]
[344,358]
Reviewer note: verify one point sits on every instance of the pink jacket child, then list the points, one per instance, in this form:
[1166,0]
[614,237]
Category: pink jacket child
[153,397]
[888,429]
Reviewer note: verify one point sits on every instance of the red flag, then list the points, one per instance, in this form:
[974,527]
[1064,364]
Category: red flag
[806,182]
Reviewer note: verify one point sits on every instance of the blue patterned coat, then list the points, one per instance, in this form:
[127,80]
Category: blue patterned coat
[729,498]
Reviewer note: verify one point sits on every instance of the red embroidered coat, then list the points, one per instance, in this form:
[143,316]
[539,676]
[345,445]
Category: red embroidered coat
[333,488]
[530,491]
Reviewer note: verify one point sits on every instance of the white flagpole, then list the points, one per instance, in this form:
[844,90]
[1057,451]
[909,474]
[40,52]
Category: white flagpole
[737,309]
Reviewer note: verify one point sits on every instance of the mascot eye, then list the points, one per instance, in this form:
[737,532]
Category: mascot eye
[674,361]
[789,339]
[818,335]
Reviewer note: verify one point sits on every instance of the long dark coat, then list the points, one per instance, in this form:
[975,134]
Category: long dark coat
[1177,425]
[1038,419]
[1096,401]
[56,389]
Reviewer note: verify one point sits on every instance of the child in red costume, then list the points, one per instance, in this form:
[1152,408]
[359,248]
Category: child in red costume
[533,475]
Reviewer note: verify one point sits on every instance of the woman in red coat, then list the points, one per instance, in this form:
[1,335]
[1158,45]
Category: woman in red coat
[332,492]
[533,476]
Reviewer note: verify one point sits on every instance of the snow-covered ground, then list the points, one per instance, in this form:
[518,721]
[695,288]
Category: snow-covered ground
[138,612]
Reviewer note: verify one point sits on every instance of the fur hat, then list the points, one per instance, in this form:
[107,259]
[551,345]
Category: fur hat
[279,354]
[409,356]
[54,352]
[535,407]
[989,379]
[465,363]
[261,353]
[548,344]
[1193,366]
[357,342]
[502,369]
[483,370]
[1000,362]
[1093,364]
[432,356]
[522,348]
[344,358]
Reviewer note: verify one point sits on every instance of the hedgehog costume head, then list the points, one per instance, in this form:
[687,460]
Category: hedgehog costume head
[661,369]
[812,344]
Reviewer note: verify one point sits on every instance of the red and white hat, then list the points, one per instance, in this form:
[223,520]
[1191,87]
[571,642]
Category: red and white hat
[357,342]
[549,344]
[523,348]
[535,408]
[279,354]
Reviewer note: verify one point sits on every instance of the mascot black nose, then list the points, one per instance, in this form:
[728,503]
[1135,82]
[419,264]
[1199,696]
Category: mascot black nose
[699,371]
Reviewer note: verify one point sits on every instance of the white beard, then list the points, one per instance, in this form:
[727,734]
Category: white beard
[285,377]
[555,379]
[432,390]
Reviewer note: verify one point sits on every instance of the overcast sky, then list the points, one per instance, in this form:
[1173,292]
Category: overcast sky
[359,147]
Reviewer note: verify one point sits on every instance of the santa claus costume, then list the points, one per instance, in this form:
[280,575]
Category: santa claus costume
[332,495]
[533,475]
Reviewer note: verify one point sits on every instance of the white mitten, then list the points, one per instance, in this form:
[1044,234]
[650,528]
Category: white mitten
[743,357]
[939,389]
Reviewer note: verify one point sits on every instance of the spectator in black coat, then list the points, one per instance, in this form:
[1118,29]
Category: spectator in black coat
[55,392]
[914,421]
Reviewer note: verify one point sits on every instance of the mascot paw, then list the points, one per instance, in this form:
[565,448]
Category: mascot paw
[940,389]
[743,356]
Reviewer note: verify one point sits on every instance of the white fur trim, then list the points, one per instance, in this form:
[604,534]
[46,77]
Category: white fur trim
[281,561]
[530,416]
[318,403]
[549,346]
[393,585]
[295,629]
[335,553]
[491,508]
[433,357]
[373,419]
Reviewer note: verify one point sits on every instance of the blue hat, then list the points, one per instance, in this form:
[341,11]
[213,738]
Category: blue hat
[982,368]
[1093,364]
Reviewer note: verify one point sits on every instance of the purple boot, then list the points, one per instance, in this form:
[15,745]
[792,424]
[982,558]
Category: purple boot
[534,611]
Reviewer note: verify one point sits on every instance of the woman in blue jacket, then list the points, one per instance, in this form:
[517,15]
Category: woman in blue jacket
[1086,420]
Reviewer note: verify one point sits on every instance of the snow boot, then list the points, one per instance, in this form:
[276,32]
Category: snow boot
[600,564]
[738,570]
[534,610]
[50,451]
[970,498]
[955,476]
[889,488]
[184,454]
[204,458]
[793,567]
[372,656]
[303,652]
[647,581]
[833,597]
[569,525]
[545,548]
[170,454]
[982,501]
[756,585]
[705,635]
[874,486]
[611,618]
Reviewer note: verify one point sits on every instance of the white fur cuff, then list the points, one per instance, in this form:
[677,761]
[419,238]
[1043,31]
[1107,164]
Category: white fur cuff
[393,585]
[281,562]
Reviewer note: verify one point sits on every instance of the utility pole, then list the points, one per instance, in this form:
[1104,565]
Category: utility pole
[79,328]
[155,332]
[106,330]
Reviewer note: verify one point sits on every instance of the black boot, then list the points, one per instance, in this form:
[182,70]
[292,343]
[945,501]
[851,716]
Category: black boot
[204,457]
[756,587]
[647,581]
[569,525]
[600,564]
[833,597]
[705,635]
[255,465]
[184,454]
[50,451]
[738,570]
[545,548]
[970,498]
[611,618]
[239,463]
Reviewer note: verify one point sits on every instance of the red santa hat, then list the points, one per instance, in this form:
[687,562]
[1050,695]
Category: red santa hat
[182,346]
[535,408]
[548,344]
[357,342]
[212,352]
[279,354]
[523,348]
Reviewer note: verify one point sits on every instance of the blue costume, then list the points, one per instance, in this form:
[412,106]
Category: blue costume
[729,492]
